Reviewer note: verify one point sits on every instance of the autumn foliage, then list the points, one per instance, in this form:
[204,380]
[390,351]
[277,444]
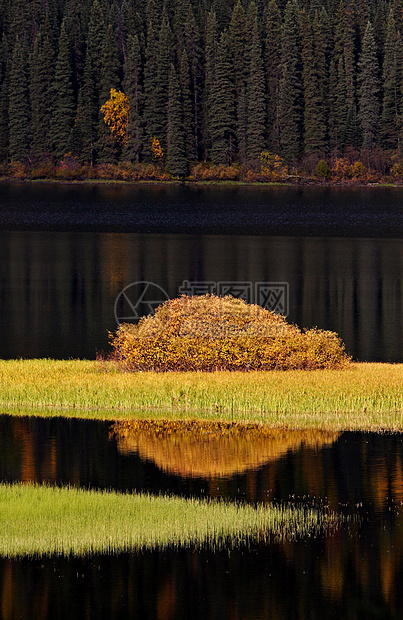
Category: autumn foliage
[116,114]
[207,333]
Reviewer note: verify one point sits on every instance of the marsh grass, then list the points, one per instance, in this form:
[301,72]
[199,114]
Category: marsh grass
[40,520]
[358,397]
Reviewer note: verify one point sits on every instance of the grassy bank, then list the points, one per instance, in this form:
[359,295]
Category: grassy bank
[39,520]
[362,396]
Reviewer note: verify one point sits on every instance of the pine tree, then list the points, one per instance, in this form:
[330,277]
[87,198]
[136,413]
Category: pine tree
[95,46]
[391,78]
[84,135]
[237,34]
[194,53]
[19,107]
[4,87]
[181,8]
[133,90]
[351,134]
[150,82]
[272,64]
[63,96]
[223,107]
[185,86]
[153,13]
[209,80]
[41,91]
[290,87]
[176,155]
[109,79]
[322,60]
[164,59]
[256,98]
[314,105]
[340,107]
[368,79]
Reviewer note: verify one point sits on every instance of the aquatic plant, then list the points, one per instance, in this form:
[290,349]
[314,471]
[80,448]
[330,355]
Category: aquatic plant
[41,520]
[206,333]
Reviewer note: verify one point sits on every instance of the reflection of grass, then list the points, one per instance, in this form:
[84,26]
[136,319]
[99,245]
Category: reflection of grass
[37,520]
[361,396]
[209,450]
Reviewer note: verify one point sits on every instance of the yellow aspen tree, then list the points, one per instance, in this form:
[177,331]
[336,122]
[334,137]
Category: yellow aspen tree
[116,115]
[156,149]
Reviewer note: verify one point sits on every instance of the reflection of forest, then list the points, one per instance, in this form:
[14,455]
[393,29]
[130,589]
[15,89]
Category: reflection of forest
[207,451]
[60,289]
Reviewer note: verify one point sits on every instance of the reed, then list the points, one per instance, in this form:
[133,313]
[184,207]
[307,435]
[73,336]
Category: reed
[360,396]
[41,520]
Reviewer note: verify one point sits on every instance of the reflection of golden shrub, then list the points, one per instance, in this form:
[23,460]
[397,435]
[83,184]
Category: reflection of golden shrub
[222,333]
[210,449]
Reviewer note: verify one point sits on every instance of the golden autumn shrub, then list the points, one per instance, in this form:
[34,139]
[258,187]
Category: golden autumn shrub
[206,333]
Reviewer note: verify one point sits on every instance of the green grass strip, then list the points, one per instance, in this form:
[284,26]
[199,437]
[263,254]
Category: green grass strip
[40,520]
[360,397]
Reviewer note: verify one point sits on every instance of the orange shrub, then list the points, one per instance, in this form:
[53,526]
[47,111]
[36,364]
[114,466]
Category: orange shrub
[209,172]
[18,170]
[206,333]
[341,168]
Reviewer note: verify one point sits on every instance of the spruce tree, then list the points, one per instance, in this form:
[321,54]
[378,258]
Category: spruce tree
[95,46]
[290,87]
[153,13]
[209,80]
[109,79]
[150,83]
[272,66]
[41,91]
[391,79]
[19,105]
[164,59]
[176,156]
[223,107]
[63,97]
[4,85]
[185,86]
[340,106]
[314,105]
[256,98]
[194,54]
[368,79]
[237,35]
[84,135]
[351,134]
[133,90]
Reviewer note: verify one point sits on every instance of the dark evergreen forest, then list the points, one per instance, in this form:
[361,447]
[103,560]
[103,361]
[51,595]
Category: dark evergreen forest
[212,80]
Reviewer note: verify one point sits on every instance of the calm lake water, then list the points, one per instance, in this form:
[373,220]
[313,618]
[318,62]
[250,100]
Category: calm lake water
[67,252]
[356,572]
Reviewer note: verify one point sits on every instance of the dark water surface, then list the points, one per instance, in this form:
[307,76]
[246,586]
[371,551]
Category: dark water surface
[355,573]
[66,252]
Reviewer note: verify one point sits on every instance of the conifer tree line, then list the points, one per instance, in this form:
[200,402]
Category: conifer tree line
[211,80]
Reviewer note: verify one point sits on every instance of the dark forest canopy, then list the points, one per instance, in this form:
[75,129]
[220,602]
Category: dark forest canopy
[211,80]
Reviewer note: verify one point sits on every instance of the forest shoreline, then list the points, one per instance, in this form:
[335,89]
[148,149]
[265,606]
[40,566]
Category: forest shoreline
[302,182]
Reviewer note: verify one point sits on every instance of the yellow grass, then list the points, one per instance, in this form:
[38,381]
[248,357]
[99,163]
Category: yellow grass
[361,396]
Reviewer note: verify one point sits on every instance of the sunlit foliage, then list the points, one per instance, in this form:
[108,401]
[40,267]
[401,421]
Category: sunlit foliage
[116,114]
[222,333]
